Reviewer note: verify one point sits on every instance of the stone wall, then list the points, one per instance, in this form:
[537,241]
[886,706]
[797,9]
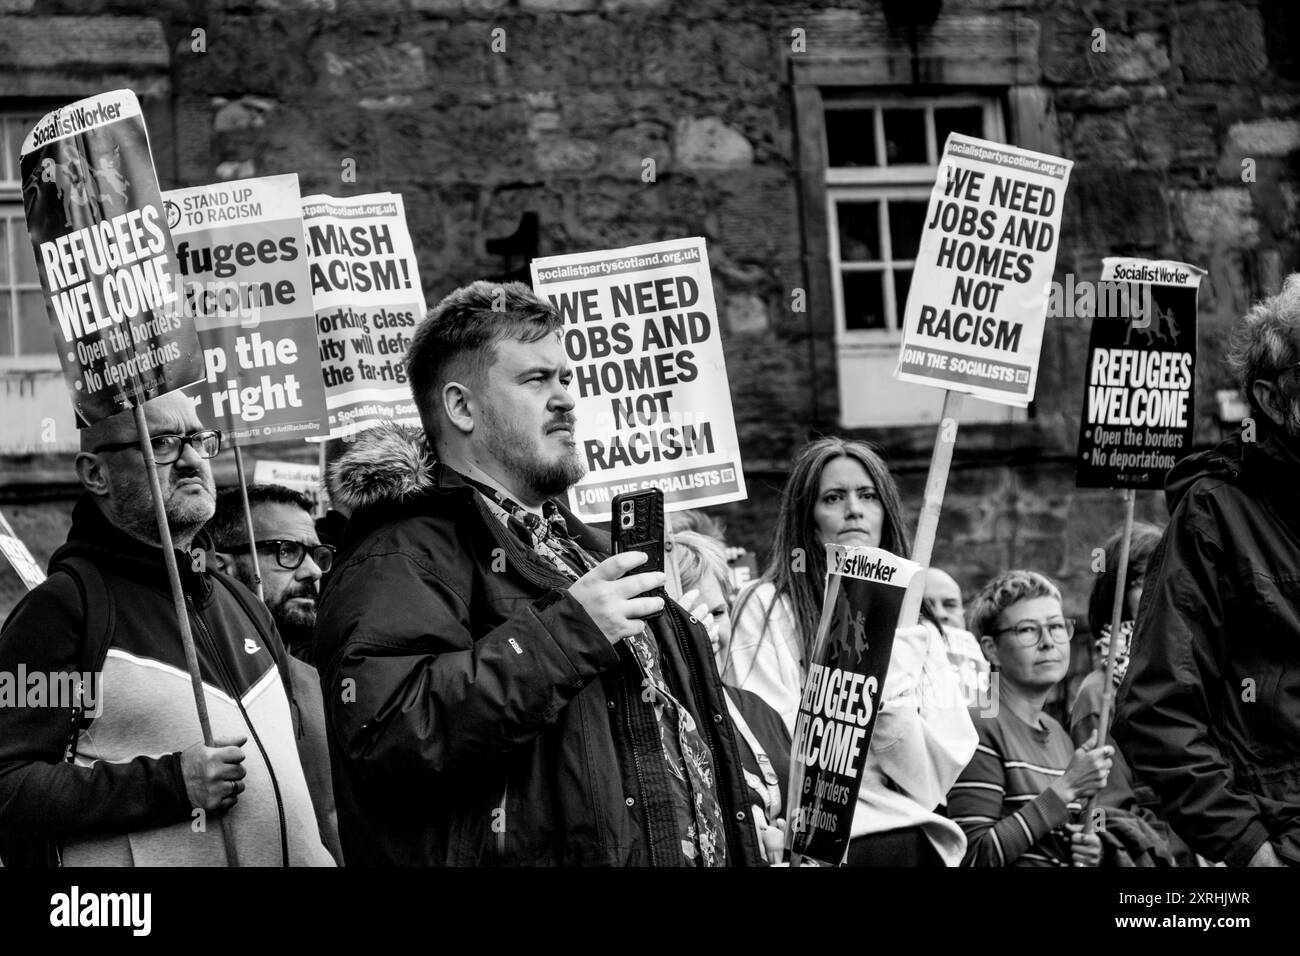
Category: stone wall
[563,115]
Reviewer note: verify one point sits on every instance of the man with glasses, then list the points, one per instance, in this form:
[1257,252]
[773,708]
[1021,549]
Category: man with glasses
[290,558]
[290,563]
[126,779]
[1209,711]
[1020,797]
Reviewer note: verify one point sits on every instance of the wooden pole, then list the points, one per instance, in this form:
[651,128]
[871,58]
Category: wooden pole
[323,501]
[1116,616]
[936,483]
[248,516]
[178,600]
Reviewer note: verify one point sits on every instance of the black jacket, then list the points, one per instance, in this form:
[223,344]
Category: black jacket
[1209,712]
[124,801]
[476,713]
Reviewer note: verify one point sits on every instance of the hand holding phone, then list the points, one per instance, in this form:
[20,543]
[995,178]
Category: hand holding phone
[637,524]
[618,596]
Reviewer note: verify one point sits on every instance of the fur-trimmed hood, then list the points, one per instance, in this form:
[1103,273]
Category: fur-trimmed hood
[385,464]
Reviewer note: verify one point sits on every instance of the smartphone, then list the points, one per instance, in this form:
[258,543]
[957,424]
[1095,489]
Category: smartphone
[637,524]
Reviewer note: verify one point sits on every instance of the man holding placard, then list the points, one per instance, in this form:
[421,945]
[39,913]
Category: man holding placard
[138,785]
[96,642]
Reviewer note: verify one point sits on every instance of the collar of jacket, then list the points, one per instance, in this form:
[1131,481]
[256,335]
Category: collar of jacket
[95,537]
[1272,458]
[390,471]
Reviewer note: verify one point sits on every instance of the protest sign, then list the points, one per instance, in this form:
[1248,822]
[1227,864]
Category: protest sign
[837,712]
[368,300]
[246,286]
[299,477]
[29,572]
[105,258]
[1139,409]
[649,377]
[978,298]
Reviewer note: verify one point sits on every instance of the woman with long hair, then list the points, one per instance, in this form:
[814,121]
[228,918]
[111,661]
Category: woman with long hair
[841,492]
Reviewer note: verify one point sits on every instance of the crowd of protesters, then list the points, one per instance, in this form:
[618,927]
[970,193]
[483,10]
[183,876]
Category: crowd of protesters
[465,674]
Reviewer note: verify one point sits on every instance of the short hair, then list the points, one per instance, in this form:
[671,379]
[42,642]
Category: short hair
[227,524]
[1101,603]
[698,555]
[698,521]
[1265,342]
[1003,591]
[461,332]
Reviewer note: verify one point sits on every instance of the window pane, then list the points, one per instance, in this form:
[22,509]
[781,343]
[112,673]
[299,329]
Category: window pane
[6,326]
[967,120]
[34,335]
[12,142]
[24,254]
[904,136]
[906,219]
[864,301]
[6,230]
[850,138]
[902,283]
[859,231]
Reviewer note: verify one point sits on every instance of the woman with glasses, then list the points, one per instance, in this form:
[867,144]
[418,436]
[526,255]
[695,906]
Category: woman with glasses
[1019,798]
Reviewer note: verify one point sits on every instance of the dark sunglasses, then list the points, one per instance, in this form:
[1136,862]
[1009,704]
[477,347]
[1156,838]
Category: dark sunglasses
[168,448]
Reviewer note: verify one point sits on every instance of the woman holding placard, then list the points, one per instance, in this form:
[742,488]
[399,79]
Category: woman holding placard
[841,492]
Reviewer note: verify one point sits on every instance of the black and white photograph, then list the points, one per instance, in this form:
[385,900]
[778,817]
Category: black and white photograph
[493,435]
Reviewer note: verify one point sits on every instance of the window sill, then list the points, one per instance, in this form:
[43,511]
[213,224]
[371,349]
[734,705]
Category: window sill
[27,364]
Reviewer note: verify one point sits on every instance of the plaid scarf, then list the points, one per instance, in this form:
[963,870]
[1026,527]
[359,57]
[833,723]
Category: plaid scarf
[690,763]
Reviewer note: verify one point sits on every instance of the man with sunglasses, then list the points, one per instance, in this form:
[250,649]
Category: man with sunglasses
[1209,710]
[126,779]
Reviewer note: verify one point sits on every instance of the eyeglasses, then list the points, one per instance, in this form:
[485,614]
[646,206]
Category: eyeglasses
[168,448]
[290,554]
[1028,632]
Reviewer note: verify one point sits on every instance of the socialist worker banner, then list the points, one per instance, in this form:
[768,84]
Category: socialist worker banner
[105,257]
[246,285]
[1139,408]
[366,290]
[978,299]
[653,405]
[841,694]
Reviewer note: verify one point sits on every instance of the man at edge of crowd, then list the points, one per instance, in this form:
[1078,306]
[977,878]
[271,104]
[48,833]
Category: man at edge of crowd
[1206,713]
[495,692]
[129,786]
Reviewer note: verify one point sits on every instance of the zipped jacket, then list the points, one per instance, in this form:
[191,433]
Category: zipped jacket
[123,801]
[476,714]
[1209,711]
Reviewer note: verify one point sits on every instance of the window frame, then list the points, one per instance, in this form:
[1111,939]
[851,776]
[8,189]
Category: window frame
[11,205]
[881,183]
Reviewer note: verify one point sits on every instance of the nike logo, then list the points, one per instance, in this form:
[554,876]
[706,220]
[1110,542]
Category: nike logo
[250,647]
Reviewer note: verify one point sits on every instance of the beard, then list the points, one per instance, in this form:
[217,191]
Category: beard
[524,458]
[186,510]
[295,622]
[1291,421]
